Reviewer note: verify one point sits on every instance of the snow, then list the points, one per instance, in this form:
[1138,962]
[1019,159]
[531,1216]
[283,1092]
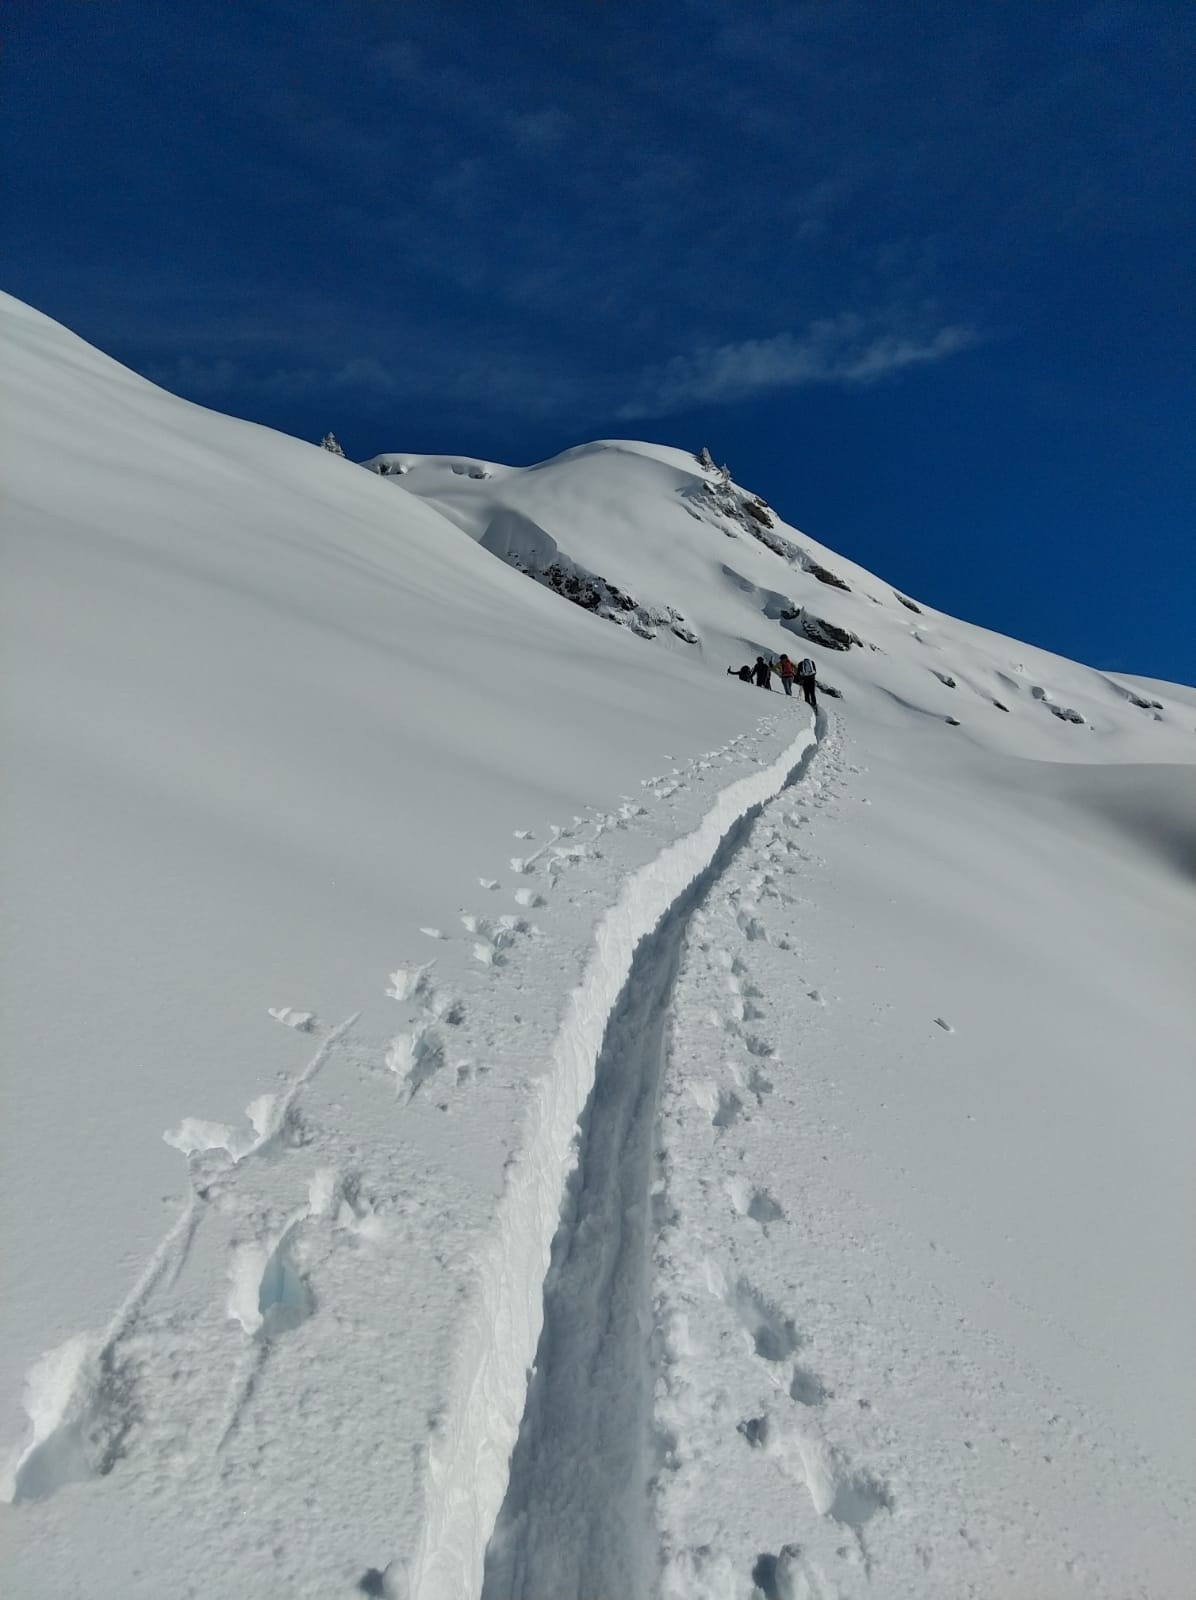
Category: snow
[415,982]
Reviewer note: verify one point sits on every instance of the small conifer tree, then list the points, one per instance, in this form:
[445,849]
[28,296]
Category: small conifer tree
[330,443]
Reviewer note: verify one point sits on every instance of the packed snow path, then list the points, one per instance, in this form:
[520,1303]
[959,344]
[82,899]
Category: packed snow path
[576,1517]
[437,1158]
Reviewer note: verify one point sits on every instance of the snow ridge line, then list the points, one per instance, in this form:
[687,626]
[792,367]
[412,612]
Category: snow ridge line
[470,1463]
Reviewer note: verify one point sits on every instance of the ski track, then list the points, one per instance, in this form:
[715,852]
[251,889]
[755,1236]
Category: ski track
[664,1343]
[576,1518]
[167,1393]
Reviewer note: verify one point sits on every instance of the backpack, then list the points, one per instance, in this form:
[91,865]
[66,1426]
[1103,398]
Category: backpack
[807,668]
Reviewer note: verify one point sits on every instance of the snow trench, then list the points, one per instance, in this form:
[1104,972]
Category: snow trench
[619,1006]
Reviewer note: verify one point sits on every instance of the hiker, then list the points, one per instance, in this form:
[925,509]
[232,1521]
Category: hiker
[763,673]
[806,674]
[744,674]
[788,672]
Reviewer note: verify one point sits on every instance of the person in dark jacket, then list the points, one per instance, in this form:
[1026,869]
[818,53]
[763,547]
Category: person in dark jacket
[806,674]
[763,673]
[744,674]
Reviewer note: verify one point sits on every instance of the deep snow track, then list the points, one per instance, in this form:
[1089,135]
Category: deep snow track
[575,1522]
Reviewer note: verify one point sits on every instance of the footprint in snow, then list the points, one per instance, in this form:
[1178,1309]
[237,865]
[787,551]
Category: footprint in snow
[807,1389]
[774,1336]
[728,1111]
[775,1577]
[763,1208]
[754,1430]
[269,1292]
[759,1085]
[750,925]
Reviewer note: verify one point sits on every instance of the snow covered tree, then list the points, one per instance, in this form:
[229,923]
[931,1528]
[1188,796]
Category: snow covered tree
[706,460]
[329,442]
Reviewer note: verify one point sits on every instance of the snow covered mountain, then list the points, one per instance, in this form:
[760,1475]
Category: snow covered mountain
[414,980]
[611,525]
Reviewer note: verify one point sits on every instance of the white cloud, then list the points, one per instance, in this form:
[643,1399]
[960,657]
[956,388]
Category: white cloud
[846,349]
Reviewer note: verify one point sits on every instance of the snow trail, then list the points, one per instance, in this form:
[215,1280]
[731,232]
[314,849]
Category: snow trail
[576,1518]
[469,1465]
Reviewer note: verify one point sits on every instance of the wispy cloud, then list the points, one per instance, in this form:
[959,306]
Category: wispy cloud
[365,372]
[847,349]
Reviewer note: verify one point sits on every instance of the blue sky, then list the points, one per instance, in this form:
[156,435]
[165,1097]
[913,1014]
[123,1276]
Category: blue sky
[920,272]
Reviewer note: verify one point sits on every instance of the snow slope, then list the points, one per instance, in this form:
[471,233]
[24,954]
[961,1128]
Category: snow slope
[650,520]
[870,1266]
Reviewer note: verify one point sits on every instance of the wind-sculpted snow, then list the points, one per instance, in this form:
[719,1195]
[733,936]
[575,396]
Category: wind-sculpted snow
[435,1148]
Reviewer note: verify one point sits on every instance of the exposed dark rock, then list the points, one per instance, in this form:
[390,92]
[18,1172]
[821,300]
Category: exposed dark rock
[824,575]
[908,604]
[753,515]
[999,706]
[1142,703]
[818,631]
[606,600]
[952,722]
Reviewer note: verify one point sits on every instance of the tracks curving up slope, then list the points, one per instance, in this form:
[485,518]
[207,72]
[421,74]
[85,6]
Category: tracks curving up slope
[576,1518]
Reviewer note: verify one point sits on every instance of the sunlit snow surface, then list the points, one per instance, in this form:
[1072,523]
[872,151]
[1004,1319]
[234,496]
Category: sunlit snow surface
[342,862]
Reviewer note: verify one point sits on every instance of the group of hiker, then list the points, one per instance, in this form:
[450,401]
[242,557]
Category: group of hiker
[803,674]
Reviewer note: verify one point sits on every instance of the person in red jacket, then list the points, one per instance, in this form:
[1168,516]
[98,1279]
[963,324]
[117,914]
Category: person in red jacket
[788,673]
